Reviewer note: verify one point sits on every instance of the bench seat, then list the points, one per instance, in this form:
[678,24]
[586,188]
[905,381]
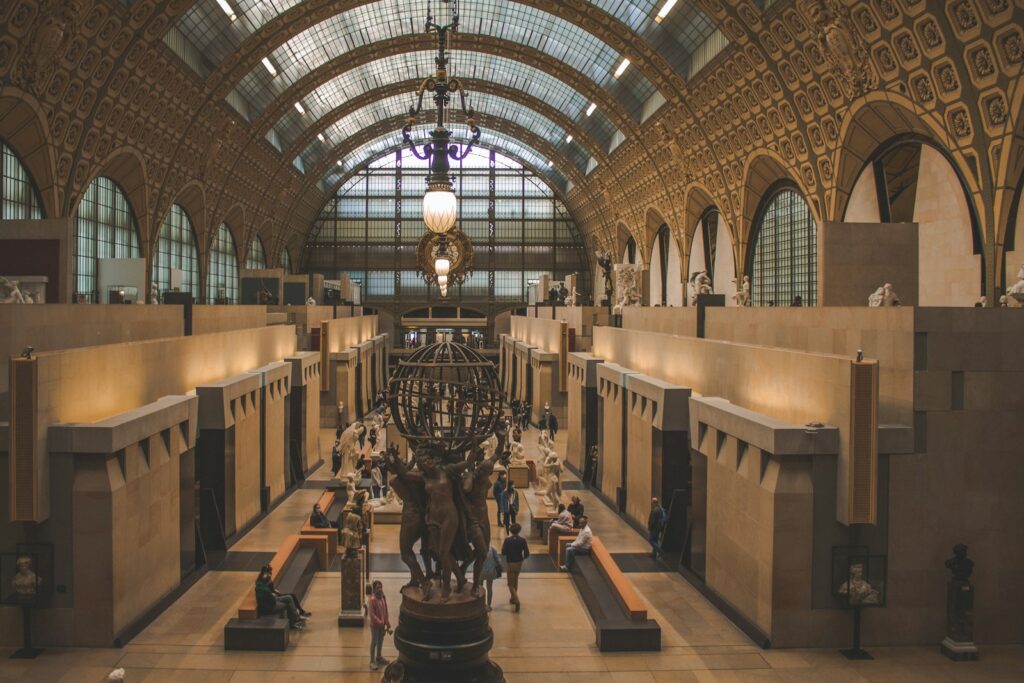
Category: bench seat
[327,500]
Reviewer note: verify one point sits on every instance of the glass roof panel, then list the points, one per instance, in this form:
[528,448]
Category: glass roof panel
[501,19]
[418,65]
[489,139]
[396,105]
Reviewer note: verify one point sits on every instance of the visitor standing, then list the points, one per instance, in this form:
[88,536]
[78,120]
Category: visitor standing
[552,425]
[380,624]
[500,499]
[336,457]
[511,505]
[656,526]
[515,551]
[576,510]
[581,546]
[489,572]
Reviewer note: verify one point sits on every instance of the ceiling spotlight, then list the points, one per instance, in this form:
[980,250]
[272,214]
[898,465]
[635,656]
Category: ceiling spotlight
[338,162]
[591,108]
[228,10]
[568,138]
[299,108]
[269,66]
[622,67]
[320,137]
[665,9]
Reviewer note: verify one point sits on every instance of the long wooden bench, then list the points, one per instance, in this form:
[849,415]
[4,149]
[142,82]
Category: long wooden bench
[326,501]
[618,611]
[294,563]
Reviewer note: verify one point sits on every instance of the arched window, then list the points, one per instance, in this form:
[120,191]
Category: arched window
[105,227]
[256,259]
[223,268]
[176,250]
[661,246]
[629,256]
[19,198]
[785,250]
[286,261]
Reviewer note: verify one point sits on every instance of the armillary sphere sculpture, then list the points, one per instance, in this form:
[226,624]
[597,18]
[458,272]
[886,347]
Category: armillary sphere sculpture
[446,402]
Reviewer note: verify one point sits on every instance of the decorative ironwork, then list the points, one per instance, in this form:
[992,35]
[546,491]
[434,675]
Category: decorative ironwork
[456,245]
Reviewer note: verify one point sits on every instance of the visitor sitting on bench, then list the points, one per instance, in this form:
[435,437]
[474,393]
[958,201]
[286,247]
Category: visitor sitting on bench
[270,602]
[581,546]
[563,525]
[318,520]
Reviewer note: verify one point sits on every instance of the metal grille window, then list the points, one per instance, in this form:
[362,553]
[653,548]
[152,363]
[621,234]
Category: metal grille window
[105,227]
[358,227]
[785,263]
[223,268]
[176,251]
[256,259]
[286,262]
[19,198]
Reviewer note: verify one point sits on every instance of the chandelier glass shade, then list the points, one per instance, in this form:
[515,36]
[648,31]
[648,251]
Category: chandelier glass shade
[440,208]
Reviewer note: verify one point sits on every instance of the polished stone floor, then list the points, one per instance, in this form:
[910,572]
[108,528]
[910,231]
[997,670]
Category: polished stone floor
[552,639]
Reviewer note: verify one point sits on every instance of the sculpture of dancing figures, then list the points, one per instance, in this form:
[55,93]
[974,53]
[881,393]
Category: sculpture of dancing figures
[1016,292]
[442,517]
[553,488]
[476,484]
[742,295]
[604,260]
[351,447]
[411,488]
[10,292]
[701,284]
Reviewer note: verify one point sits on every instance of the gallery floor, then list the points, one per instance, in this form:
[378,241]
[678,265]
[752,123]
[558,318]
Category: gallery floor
[550,640]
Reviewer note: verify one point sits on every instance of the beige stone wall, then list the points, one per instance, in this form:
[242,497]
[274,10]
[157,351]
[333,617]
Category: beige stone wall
[275,441]
[345,333]
[863,204]
[210,319]
[640,474]
[950,272]
[855,259]
[678,321]
[886,334]
[242,456]
[611,440]
[543,333]
[573,425]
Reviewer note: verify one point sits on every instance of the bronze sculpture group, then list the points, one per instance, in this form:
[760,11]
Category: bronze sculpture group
[445,510]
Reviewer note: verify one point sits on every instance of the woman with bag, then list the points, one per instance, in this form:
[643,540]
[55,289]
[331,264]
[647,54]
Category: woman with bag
[491,571]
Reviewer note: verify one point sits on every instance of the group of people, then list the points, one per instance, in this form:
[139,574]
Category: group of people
[521,414]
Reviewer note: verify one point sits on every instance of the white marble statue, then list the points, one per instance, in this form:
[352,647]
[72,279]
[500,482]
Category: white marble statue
[553,482]
[627,284]
[10,292]
[883,296]
[311,301]
[1003,301]
[154,293]
[350,448]
[573,296]
[517,453]
[875,298]
[1016,292]
[982,302]
[700,283]
[742,295]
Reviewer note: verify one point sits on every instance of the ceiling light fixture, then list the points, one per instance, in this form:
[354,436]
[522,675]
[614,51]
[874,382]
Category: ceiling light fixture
[228,10]
[568,138]
[665,9]
[269,66]
[591,108]
[339,162]
[299,108]
[320,137]
[622,67]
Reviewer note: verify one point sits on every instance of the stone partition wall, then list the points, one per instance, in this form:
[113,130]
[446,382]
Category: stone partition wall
[123,534]
[581,409]
[304,424]
[275,412]
[366,378]
[210,319]
[228,449]
[523,389]
[679,321]
[341,381]
[544,383]
[611,387]
[855,259]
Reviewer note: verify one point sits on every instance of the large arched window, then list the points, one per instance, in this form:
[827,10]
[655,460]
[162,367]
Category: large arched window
[223,273]
[785,250]
[105,227]
[286,261]
[176,251]
[256,259]
[629,255]
[19,198]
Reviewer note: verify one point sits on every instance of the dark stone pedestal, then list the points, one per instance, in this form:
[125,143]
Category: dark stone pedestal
[353,591]
[446,641]
[958,644]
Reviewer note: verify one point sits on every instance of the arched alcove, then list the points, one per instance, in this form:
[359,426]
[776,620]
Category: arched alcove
[711,250]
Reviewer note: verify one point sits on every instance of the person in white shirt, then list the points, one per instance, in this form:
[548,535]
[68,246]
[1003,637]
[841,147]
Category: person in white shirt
[581,546]
[562,525]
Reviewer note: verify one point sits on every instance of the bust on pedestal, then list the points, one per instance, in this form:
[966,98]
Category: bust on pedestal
[958,644]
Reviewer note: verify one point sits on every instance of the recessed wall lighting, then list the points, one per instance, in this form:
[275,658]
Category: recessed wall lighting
[568,138]
[320,137]
[622,67]
[592,108]
[299,108]
[269,66]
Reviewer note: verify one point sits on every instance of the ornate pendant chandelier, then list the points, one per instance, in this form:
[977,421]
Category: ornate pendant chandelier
[440,205]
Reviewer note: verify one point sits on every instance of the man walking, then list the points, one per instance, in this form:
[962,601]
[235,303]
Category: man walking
[515,551]
[656,526]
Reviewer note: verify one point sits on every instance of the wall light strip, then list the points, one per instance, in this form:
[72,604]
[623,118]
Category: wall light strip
[320,137]
[622,67]
[269,66]
[665,9]
[299,108]
[591,108]
[568,138]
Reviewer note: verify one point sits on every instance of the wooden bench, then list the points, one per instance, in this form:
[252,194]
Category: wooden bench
[556,547]
[296,561]
[618,611]
[327,500]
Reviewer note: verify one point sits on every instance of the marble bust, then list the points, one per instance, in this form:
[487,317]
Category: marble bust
[857,589]
[26,581]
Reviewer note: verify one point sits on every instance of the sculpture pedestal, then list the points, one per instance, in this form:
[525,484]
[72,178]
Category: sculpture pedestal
[445,641]
[958,644]
[353,591]
[519,475]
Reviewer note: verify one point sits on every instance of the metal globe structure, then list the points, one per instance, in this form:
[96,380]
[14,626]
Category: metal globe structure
[445,398]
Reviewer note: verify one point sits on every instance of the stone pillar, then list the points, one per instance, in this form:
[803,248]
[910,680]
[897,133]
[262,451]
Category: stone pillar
[545,385]
[304,423]
[353,590]
[275,412]
[341,388]
[523,390]
[364,400]
[612,466]
[581,409]
[228,462]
